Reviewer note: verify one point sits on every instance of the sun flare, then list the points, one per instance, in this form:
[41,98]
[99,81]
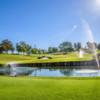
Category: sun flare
[98,3]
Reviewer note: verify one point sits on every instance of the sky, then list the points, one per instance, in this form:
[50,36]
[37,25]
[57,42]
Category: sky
[47,23]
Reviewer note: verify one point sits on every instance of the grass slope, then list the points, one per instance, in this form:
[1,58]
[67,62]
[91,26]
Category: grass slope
[30,88]
[5,58]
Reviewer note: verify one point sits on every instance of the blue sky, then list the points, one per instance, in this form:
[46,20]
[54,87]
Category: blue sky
[47,23]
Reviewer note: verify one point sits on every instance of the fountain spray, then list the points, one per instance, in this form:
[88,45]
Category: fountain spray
[91,39]
[12,68]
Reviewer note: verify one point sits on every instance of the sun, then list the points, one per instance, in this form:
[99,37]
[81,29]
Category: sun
[96,6]
[98,3]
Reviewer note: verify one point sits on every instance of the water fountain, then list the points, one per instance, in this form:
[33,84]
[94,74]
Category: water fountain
[91,40]
[81,53]
[12,68]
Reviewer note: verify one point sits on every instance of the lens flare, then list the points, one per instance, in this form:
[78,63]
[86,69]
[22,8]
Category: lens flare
[98,3]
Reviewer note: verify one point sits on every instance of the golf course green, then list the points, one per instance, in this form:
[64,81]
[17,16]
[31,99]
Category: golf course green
[47,88]
[39,88]
[6,58]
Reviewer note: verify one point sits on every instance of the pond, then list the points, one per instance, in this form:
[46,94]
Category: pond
[52,72]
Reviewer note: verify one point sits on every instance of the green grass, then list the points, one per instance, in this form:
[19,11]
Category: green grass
[32,88]
[5,58]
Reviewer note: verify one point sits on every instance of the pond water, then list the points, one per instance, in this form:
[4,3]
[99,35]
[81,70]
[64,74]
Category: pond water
[29,71]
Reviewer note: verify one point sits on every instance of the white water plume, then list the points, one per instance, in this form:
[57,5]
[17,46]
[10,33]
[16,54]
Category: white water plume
[81,53]
[91,39]
[12,68]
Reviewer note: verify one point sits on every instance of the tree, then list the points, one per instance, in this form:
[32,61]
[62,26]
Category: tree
[28,49]
[6,45]
[23,47]
[1,49]
[18,48]
[52,50]
[77,46]
[34,51]
[91,45]
[98,46]
[12,49]
[66,47]
[42,51]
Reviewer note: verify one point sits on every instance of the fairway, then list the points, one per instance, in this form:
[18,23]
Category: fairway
[35,88]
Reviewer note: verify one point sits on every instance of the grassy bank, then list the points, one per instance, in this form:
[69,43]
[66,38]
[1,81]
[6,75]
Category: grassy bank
[5,58]
[31,88]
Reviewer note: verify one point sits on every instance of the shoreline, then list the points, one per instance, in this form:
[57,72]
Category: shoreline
[69,64]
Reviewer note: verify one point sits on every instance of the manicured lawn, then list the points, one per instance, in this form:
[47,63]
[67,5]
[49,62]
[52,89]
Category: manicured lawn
[32,88]
[6,58]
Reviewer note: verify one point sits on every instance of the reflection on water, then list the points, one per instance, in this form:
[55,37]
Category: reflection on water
[65,72]
[15,71]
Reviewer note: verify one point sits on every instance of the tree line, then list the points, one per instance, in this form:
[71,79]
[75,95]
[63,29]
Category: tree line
[22,47]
